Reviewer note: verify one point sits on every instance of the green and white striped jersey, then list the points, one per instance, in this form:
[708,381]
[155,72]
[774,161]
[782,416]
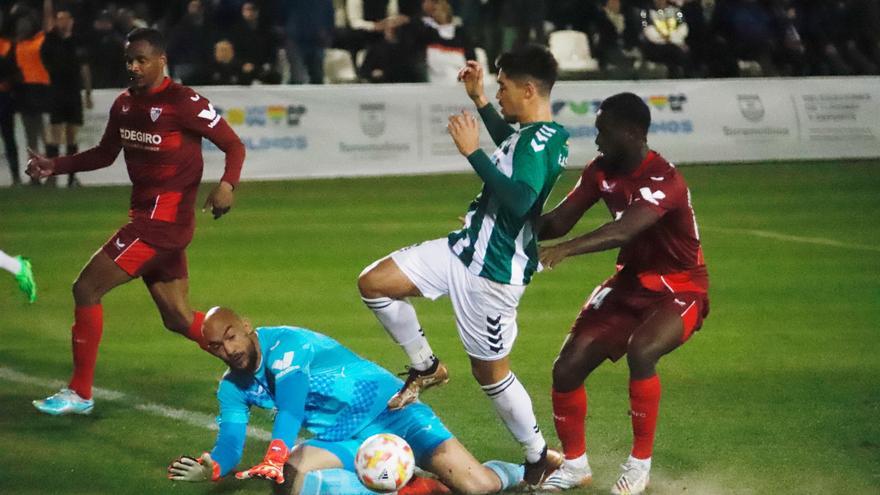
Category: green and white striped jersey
[495,243]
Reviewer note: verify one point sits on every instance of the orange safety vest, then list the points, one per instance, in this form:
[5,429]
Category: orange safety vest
[27,54]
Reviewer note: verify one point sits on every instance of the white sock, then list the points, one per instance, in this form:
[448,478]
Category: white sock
[578,463]
[9,263]
[643,463]
[515,408]
[398,317]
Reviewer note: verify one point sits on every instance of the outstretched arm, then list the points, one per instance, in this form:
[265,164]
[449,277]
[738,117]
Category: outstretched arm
[560,220]
[633,221]
[228,448]
[100,156]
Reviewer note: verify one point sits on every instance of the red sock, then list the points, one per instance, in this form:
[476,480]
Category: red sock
[88,325]
[644,399]
[420,485]
[195,329]
[569,413]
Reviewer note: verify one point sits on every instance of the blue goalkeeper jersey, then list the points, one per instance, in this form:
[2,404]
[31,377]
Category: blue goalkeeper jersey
[312,381]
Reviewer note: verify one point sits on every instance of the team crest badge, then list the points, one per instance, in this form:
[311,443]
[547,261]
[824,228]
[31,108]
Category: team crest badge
[751,107]
[372,119]
[155,112]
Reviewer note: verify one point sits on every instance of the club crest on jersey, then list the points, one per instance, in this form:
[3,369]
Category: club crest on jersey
[155,112]
[607,186]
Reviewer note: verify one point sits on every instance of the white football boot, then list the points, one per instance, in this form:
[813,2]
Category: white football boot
[635,477]
[575,473]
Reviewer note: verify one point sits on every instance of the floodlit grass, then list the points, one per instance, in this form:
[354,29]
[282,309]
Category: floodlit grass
[779,393]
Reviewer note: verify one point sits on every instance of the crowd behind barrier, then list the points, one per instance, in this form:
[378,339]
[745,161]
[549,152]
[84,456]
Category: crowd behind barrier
[51,51]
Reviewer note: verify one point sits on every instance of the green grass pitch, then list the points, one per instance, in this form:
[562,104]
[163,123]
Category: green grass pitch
[779,393]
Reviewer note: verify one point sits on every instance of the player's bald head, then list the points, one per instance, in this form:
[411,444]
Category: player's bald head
[217,320]
[231,338]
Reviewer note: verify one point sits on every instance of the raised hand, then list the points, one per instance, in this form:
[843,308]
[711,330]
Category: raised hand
[465,132]
[472,77]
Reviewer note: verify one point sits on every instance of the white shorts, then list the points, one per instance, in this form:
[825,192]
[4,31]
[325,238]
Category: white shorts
[485,311]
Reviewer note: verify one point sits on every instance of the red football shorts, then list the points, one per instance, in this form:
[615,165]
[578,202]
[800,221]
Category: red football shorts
[140,259]
[615,310]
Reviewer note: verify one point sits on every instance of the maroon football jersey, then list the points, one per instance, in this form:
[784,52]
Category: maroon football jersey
[666,255]
[161,134]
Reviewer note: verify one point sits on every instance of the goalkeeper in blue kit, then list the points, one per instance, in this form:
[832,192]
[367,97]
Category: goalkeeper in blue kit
[314,382]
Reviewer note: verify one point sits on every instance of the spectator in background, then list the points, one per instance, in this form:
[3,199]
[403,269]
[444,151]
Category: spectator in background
[8,75]
[32,93]
[371,22]
[127,21]
[832,43]
[224,68]
[699,40]
[761,31]
[469,11]
[400,55]
[448,48]
[790,54]
[522,22]
[106,50]
[308,30]
[190,43]
[824,32]
[66,61]
[663,35]
[614,39]
[256,45]
[748,32]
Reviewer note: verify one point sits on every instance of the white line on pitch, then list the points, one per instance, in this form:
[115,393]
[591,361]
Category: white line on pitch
[793,238]
[183,415]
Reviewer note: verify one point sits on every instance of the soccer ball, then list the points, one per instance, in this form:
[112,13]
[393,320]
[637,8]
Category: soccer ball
[384,463]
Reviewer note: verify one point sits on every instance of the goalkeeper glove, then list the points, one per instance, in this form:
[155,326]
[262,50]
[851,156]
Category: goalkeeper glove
[186,468]
[272,467]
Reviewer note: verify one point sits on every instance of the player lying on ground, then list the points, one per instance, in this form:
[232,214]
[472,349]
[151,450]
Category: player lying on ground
[651,306]
[159,124]
[21,269]
[484,267]
[316,383]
